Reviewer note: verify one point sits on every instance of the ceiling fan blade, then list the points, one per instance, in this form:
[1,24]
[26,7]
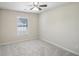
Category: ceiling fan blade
[43,5]
[40,9]
[31,8]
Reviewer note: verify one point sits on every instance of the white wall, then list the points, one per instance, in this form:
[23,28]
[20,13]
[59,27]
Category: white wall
[60,26]
[8,29]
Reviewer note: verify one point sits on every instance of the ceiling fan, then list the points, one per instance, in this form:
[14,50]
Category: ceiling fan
[37,6]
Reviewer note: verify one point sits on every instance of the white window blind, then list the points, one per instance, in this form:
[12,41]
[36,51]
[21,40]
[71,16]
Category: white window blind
[22,25]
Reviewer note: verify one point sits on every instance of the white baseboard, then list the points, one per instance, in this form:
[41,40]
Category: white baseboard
[61,46]
[14,42]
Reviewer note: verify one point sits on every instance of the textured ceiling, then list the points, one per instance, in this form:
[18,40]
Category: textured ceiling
[25,6]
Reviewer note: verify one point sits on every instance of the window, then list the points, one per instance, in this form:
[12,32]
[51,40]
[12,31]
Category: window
[22,25]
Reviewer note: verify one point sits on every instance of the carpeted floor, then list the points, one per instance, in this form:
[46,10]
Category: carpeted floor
[32,48]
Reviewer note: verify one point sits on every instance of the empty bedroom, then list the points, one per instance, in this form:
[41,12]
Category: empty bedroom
[39,28]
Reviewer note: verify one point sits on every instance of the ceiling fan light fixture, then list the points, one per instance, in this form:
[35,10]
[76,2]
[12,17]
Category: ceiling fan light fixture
[36,6]
[35,9]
